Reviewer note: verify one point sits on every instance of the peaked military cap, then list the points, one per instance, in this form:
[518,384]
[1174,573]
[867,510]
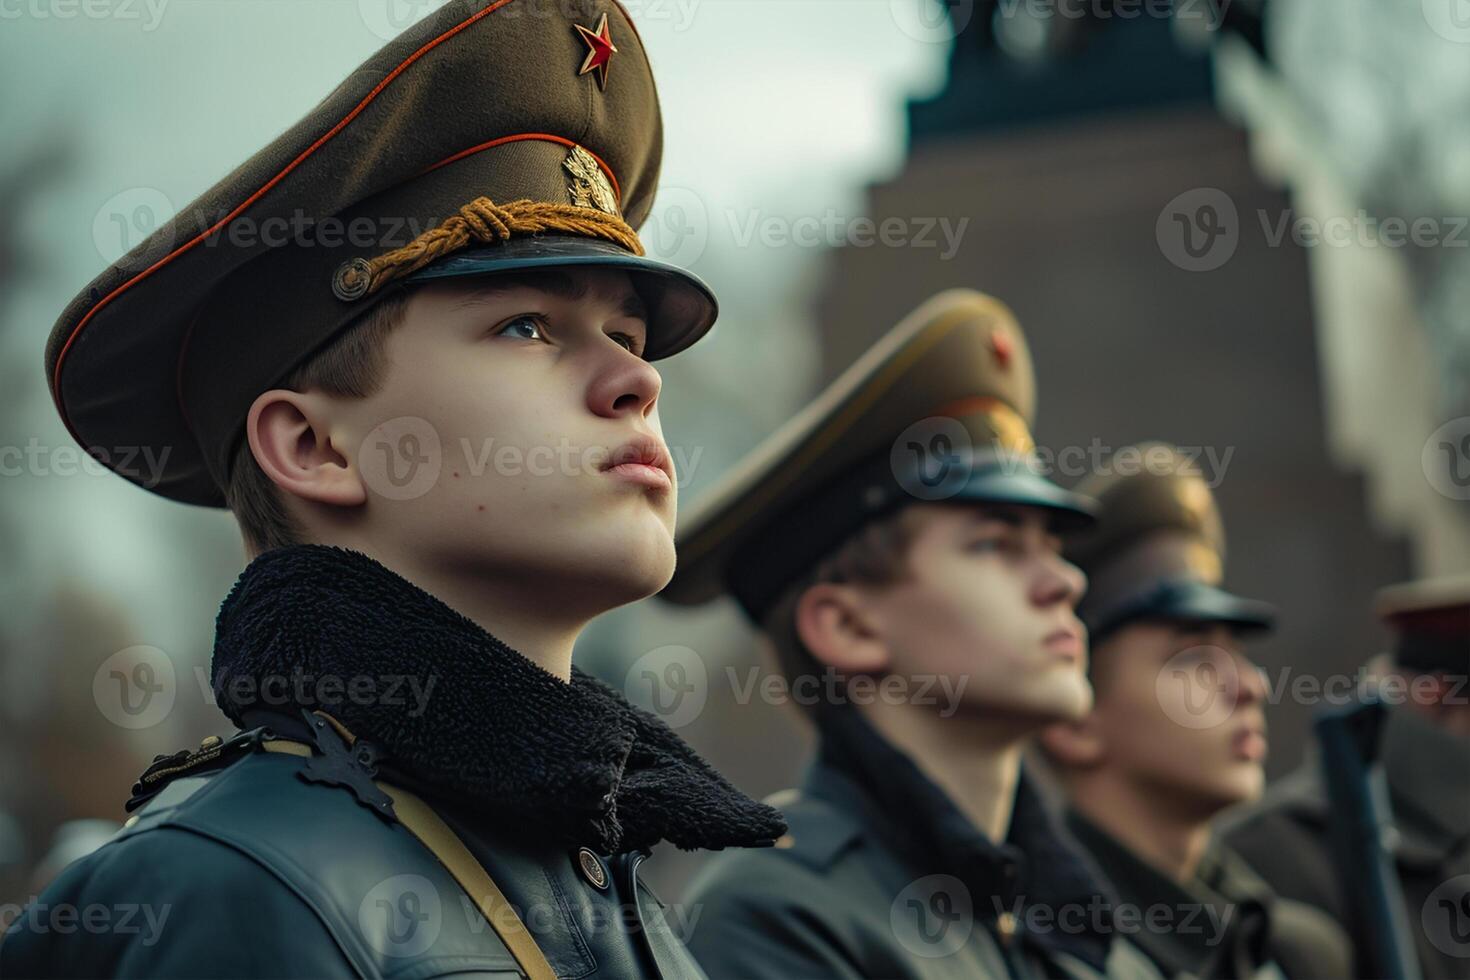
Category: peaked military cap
[940,409]
[1431,622]
[1158,550]
[488,137]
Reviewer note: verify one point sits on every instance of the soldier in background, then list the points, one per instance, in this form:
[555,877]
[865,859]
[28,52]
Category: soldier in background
[1177,732]
[901,553]
[1425,754]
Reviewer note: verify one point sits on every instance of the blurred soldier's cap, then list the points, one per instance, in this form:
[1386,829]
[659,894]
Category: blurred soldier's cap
[940,409]
[1158,550]
[1430,619]
[488,137]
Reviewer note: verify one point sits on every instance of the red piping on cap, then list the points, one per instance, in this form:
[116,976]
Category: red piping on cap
[617,190]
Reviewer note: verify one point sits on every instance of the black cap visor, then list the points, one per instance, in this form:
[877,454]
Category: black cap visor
[1185,601]
[681,308]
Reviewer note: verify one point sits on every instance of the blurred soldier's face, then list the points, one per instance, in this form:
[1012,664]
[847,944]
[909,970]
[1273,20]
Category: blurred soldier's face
[989,599]
[1180,715]
[505,441]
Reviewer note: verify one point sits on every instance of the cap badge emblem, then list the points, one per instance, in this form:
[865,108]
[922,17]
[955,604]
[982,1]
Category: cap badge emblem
[589,186]
[600,49]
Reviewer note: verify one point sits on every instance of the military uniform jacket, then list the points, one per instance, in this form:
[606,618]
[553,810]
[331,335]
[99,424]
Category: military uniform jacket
[880,876]
[250,863]
[1285,839]
[1224,924]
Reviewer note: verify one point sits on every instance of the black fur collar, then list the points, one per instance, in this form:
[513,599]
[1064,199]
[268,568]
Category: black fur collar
[329,628]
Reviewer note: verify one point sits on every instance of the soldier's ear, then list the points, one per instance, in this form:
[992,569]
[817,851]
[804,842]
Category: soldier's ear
[1074,744]
[295,443]
[833,624]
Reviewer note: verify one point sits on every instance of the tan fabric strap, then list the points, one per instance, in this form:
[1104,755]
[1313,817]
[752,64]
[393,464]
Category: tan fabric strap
[444,844]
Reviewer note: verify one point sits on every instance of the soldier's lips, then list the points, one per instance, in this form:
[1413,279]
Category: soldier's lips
[641,473]
[643,460]
[1249,744]
[1065,644]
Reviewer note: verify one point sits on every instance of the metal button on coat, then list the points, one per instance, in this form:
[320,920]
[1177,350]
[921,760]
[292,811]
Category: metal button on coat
[592,868]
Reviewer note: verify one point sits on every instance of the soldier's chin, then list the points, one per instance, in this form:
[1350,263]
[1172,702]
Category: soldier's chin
[1236,784]
[635,567]
[1056,699]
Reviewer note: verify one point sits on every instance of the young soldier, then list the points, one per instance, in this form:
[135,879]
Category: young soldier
[1425,755]
[896,546]
[424,784]
[1177,732]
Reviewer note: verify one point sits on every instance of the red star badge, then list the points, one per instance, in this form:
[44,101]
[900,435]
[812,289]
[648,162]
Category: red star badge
[1002,348]
[600,49]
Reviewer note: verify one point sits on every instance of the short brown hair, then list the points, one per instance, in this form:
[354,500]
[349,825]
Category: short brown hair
[352,365]
[876,555]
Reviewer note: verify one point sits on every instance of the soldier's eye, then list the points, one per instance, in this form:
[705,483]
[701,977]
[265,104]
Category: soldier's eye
[526,326]
[629,342]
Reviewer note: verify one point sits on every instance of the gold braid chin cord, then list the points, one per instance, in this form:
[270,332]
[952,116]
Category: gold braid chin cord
[481,220]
